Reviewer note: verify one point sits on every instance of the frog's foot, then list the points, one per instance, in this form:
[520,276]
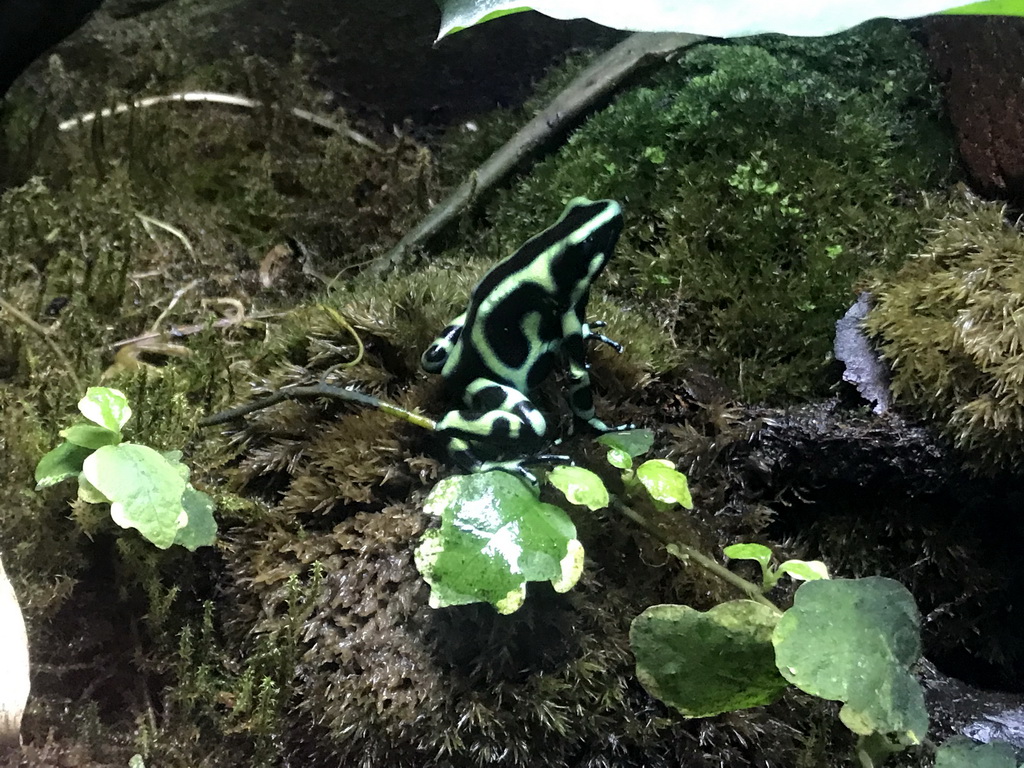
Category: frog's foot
[515,468]
[588,333]
[605,429]
[550,458]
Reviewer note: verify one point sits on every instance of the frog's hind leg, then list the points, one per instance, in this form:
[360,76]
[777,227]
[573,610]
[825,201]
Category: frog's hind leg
[497,415]
[436,355]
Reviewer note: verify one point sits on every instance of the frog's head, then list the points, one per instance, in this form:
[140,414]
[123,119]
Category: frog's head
[589,229]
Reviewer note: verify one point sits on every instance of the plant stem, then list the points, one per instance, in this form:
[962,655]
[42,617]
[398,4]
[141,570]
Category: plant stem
[687,554]
[319,390]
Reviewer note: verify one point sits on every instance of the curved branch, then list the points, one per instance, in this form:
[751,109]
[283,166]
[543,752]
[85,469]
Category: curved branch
[589,87]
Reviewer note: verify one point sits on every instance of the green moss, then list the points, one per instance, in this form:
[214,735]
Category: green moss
[949,324]
[760,182]
[216,188]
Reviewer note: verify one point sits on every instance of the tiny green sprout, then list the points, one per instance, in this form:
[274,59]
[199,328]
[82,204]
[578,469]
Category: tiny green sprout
[580,486]
[664,482]
[801,570]
[146,489]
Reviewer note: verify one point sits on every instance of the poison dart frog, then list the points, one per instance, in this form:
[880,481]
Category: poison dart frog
[524,314]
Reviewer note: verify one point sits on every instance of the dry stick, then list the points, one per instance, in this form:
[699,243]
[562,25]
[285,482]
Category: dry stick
[216,98]
[28,322]
[319,390]
[592,84]
[685,553]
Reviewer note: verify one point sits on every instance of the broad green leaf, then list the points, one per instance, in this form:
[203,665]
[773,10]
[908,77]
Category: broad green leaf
[632,442]
[714,18]
[990,8]
[466,13]
[706,663]
[580,486]
[145,490]
[62,462]
[664,482]
[804,570]
[201,528]
[855,640]
[495,536]
[88,492]
[758,552]
[961,752]
[90,436]
[106,407]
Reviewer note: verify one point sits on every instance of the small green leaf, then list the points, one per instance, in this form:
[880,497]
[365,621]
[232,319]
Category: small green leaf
[90,436]
[106,407]
[495,536]
[145,490]
[580,486]
[804,570]
[571,567]
[706,663]
[89,493]
[664,482]
[758,552]
[62,462]
[961,752]
[201,528]
[855,640]
[632,442]
[619,459]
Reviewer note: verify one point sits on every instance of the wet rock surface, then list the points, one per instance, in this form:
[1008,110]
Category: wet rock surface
[882,495]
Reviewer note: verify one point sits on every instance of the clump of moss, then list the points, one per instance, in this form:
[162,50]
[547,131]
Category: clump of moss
[949,323]
[384,679]
[759,182]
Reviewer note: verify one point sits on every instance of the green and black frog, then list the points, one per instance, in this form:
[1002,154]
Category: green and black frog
[524,315]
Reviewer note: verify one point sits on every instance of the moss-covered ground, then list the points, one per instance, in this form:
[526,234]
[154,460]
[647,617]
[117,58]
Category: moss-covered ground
[763,182]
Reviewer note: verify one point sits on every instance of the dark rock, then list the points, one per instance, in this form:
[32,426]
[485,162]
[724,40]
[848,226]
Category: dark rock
[875,495]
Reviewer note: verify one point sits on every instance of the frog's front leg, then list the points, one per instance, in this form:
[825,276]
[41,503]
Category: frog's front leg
[581,397]
[498,417]
[588,333]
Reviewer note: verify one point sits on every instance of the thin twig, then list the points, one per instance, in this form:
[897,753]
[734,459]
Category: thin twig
[589,87]
[171,304]
[148,222]
[28,322]
[686,553]
[319,390]
[179,331]
[216,98]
